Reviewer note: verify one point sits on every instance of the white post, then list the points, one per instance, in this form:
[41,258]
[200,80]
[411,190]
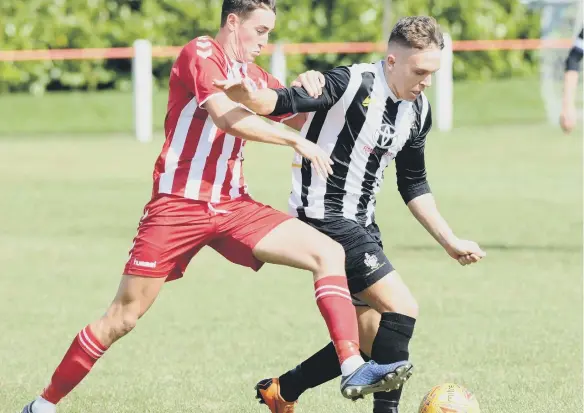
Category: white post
[142,88]
[386,20]
[278,63]
[444,86]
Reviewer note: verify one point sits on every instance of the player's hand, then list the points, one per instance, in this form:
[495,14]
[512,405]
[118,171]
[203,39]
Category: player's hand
[312,81]
[464,251]
[568,119]
[237,90]
[314,153]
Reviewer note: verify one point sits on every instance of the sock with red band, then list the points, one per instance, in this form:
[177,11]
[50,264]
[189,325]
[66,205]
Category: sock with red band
[83,353]
[334,302]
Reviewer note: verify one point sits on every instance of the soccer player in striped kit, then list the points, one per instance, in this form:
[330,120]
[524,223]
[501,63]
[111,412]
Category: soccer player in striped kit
[200,198]
[367,115]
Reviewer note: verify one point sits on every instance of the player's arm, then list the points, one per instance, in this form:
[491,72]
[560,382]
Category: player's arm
[575,55]
[288,100]
[235,120]
[415,191]
[296,122]
[568,115]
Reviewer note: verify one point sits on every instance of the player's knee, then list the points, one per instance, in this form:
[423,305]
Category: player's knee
[127,323]
[330,258]
[120,322]
[405,304]
[396,297]
[122,325]
[409,306]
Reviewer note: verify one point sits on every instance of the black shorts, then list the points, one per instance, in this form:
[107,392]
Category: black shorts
[365,261]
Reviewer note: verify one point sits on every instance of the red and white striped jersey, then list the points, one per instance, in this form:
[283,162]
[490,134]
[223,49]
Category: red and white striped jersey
[198,160]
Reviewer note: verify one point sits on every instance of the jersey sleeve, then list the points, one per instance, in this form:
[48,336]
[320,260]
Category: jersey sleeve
[575,56]
[198,65]
[273,83]
[410,163]
[297,99]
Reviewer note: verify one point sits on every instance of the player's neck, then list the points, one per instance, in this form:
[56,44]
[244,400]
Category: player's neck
[228,43]
[388,81]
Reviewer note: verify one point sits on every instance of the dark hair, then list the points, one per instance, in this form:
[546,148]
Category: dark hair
[243,8]
[419,32]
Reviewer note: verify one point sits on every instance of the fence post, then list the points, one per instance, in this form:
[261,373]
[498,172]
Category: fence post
[444,87]
[142,89]
[278,63]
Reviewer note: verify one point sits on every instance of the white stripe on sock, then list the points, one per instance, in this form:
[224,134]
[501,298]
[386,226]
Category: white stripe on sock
[346,296]
[87,348]
[95,347]
[332,287]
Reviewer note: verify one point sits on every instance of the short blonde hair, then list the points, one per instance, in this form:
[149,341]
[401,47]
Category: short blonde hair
[418,32]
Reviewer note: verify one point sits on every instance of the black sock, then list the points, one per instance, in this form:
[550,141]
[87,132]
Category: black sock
[391,345]
[318,369]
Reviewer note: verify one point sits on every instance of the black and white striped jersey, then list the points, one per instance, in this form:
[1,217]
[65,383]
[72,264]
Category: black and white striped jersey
[363,126]
[575,56]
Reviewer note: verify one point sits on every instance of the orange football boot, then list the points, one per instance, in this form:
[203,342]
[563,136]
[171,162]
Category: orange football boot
[268,393]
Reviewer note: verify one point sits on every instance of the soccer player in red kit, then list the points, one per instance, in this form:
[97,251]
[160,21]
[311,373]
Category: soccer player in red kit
[200,198]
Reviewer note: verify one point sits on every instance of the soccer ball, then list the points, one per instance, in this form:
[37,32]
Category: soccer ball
[449,398]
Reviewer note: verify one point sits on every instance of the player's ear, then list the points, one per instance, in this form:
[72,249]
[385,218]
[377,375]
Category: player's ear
[390,61]
[232,22]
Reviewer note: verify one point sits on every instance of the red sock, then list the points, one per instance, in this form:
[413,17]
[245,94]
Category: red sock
[334,302]
[79,359]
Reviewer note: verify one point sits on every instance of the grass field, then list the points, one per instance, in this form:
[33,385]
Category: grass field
[510,328]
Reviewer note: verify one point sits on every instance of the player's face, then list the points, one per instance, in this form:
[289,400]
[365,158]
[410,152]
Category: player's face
[411,70]
[252,33]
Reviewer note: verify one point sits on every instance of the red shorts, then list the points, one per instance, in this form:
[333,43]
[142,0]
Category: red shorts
[174,229]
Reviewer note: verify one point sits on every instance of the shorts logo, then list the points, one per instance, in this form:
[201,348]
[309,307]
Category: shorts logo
[146,264]
[371,261]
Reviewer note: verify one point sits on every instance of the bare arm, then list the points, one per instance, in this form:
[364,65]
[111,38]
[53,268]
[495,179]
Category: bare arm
[424,209]
[568,116]
[297,122]
[237,121]
[570,87]
[263,101]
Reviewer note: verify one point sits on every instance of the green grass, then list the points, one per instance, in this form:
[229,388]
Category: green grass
[509,101]
[510,328]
